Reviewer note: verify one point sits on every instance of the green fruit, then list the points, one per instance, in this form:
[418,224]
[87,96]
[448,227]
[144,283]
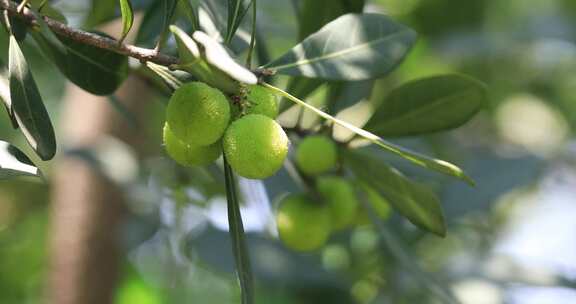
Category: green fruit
[198,114]
[262,101]
[316,154]
[380,205]
[303,225]
[258,101]
[255,146]
[188,155]
[340,199]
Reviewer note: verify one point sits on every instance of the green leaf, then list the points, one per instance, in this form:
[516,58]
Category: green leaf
[238,239]
[345,94]
[19,28]
[352,47]
[100,11]
[236,12]
[415,202]
[301,87]
[6,101]
[27,105]
[127,18]
[416,158]
[314,14]
[428,105]
[152,30]
[166,75]
[95,70]
[14,163]
[191,11]
[214,23]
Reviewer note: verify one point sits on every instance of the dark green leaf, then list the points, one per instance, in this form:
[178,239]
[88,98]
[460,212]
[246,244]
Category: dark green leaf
[5,97]
[345,94]
[95,70]
[415,202]
[428,105]
[100,11]
[127,17]
[19,28]
[314,14]
[236,12]
[155,23]
[214,23]
[191,11]
[27,105]
[238,239]
[301,87]
[352,47]
[14,162]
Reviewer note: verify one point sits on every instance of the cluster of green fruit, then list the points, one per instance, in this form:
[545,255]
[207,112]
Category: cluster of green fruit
[305,221]
[201,122]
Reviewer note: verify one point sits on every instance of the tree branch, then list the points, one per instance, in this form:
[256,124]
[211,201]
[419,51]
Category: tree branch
[88,38]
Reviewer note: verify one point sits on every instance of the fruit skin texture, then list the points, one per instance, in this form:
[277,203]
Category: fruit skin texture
[341,200]
[303,225]
[316,154]
[188,155]
[198,114]
[255,146]
[258,101]
[380,205]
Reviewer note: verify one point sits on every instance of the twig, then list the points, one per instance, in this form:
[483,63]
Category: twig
[92,39]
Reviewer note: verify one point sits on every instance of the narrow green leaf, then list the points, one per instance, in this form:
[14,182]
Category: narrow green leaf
[95,70]
[416,158]
[165,75]
[428,105]
[5,97]
[127,18]
[155,23]
[191,11]
[236,12]
[352,47]
[413,201]
[14,163]
[27,105]
[238,239]
[215,24]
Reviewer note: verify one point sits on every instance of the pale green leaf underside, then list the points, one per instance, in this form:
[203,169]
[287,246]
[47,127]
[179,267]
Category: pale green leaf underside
[27,105]
[352,47]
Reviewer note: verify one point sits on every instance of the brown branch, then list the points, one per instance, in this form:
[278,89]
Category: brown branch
[92,39]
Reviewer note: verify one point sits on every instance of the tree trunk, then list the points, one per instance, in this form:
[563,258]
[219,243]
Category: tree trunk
[86,207]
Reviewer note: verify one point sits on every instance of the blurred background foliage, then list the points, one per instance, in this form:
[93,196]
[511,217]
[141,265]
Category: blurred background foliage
[510,239]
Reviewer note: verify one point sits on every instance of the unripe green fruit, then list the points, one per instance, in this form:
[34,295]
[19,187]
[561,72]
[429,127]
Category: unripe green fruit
[316,154]
[198,114]
[340,199]
[303,225]
[380,205]
[188,155]
[258,101]
[255,146]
